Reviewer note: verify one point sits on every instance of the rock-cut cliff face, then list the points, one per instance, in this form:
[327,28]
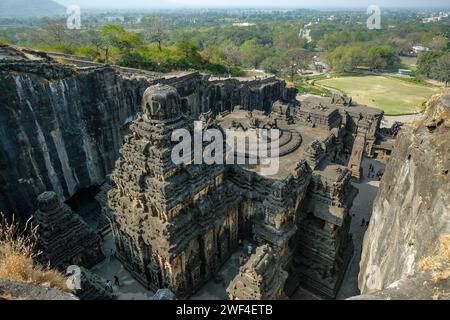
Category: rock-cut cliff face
[62,126]
[408,237]
[60,134]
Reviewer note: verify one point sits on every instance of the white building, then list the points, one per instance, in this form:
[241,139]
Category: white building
[419,49]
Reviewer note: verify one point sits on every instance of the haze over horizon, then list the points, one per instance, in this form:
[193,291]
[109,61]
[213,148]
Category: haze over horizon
[137,4]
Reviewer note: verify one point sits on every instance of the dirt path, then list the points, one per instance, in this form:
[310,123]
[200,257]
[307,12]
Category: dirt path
[362,209]
[388,121]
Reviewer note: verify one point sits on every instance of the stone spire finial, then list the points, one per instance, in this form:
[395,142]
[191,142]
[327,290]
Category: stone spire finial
[48,201]
[161,102]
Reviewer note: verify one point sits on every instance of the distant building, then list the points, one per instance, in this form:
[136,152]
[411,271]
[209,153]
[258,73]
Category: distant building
[117,19]
[244,24]
[321,67]
[436,17]
[405,72]
[319,49]
[419,49]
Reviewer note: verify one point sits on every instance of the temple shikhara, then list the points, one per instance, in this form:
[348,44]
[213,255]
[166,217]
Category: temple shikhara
[175,225]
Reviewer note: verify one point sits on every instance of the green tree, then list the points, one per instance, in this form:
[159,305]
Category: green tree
[443,68]
[55,33]
[155,29]
[288,38]
[190,53]
[334,40]
[427,62]
[253,53]
[115,36]
[231,53]
[382,57]
[346,58]
[439,42]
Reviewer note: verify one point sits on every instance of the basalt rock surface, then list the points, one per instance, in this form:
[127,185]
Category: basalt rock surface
[13,290]
[411,215]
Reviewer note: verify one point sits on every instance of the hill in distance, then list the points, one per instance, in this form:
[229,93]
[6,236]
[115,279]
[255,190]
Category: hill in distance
[30,8]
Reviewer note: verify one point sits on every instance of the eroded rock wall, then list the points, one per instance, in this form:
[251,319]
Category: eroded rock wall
[60,134]
[411,214]
[13,290]
[62,126]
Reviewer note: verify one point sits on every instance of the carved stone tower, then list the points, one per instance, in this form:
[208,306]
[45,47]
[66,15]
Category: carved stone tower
[173,224]
[64,238]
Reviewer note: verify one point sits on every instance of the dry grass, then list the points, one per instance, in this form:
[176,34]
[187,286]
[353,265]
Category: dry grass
[17,254]
[439,262]
[394,96]
[289,84]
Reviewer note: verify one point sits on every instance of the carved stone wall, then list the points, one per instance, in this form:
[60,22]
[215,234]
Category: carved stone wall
[261,278]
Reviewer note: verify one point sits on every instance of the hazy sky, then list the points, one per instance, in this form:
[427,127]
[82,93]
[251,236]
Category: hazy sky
[252,3]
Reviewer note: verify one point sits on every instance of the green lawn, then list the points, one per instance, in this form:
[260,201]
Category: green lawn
[395,97]
[409,63]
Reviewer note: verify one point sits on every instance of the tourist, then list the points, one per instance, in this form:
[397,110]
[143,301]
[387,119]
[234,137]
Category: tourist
[379,175]
[108,286]
[116,281]
[111,255]
[363,222]
[249,250]
[241,260]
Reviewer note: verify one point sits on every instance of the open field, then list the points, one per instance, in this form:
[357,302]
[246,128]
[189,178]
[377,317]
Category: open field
[409,62]
[394,96]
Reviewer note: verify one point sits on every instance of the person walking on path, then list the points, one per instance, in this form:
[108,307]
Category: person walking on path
[111,255]
[249,250]
[241,260]
[108,286]
[116,281]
